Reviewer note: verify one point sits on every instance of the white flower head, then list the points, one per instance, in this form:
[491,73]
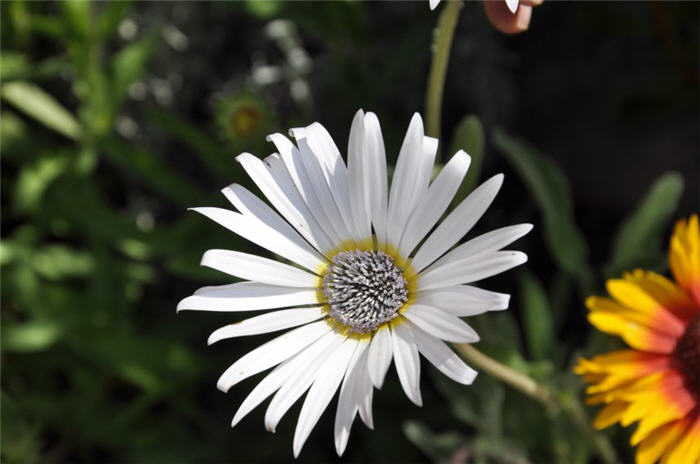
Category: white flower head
[512,4]
[373,274]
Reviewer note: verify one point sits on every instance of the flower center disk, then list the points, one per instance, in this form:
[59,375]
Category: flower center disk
[364,289]
[687,354]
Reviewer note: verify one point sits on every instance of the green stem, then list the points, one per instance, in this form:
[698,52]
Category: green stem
[441,54]
[540,393]
[508,375]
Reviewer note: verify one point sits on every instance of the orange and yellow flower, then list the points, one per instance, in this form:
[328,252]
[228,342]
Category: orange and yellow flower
[657,381]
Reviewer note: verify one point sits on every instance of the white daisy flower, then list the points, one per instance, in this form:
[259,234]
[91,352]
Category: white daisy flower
[363,285]
[512,4]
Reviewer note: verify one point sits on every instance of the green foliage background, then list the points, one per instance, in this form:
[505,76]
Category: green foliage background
[117,116]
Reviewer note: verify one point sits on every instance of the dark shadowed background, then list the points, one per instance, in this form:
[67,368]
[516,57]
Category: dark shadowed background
[117,116]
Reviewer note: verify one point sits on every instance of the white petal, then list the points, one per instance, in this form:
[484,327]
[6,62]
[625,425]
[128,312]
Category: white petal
[301,380]
[366,403]
[252,206]
[411,178]
[490,241]
[359,178]
[457,223]
[376,175]
[334,170]
[406,360]
[434,4]
[322,391]
[258,269]
[286,199]
[379,358]
[433,204]
[471,269]
[267,386]
[430,146]
[272,353]
[257,232]
[322,190]
[441,324]
[332,226]
[270,322]
[351,395]
[247,296]
[463,300]
[512,5]
[442,357]
[275,379]
[295,166]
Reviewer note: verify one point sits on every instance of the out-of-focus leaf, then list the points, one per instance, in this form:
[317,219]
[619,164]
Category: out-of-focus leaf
[217,158]
[34,102]
[30,336]
[639,239]
[110,17]
[50,67]
[12,132]
[13,65]
[20,440]
[488,450]
[550,189]
[502,323]
[34,179]
[438,447]
[78,17]
[135,249]
[152,171]
[140,375]
[263,10]
[140,273]
[20,19]
[128,64]
[49,26]
[469,136]
[492,411]
[537,315]
[57,261]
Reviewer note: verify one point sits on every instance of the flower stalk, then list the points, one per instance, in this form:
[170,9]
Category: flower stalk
[441,54]
[540,393]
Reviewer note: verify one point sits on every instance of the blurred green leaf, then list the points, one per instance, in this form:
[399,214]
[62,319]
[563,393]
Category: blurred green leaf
[57,262]
[135,249]
[12,132]
[537,315]
[141,376]
[78,17]
[21,443]
[128,64]
[110,17]
[35,178]
[152,171]
[50,67]
[550,189]
[30,336]
[49,26]
[218,159]
[263,10]
[438,447]
[639,239]
[34,102]
[20,19]
[13,65]
[469,136]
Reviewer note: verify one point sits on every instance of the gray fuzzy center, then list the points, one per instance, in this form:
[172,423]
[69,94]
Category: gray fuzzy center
[364,289]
